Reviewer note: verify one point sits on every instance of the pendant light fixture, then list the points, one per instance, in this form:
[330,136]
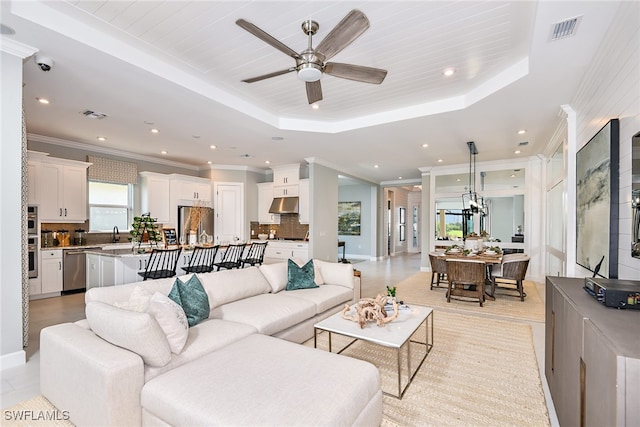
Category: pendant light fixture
[472,201]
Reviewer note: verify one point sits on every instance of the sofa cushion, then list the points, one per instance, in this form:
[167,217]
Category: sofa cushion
[138,300]
[122,293]
[336,273]
[300,277]
[190,295]
[268,313]
[134,331]
[204,338]
[227,286]
[266,381]
[172,319]
[276,274]
[324,297]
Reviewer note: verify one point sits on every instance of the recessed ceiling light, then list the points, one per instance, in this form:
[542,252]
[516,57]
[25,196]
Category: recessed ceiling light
[163,152]
[267,161]
[517,152]
[102,138]
[439,160]
[522,131]
[425,145]
[448,72]
[154,130]
[43,100]
[213,147]
[458,180]
[209,162]
[5,29]
[315,106]
[399,177]
[513,175]
[376,166]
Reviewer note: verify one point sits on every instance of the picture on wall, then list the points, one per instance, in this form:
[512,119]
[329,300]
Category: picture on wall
[597,202]
[349,217]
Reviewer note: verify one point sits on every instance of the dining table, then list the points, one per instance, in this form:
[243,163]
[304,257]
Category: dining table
[488,257]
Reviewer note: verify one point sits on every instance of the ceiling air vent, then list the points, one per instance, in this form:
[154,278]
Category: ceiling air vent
[93,115]
[566,28]
[523,143]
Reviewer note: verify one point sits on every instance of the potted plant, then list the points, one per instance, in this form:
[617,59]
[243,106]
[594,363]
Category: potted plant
[391,293]
[145,228]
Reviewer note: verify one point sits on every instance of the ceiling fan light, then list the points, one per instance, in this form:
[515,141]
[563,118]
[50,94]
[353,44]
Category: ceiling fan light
[309,73]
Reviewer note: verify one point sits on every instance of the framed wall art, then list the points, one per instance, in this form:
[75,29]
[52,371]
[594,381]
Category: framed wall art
[597,168]
[349,218]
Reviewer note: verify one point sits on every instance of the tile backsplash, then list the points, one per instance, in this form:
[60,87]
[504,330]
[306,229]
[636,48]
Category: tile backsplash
[289,228]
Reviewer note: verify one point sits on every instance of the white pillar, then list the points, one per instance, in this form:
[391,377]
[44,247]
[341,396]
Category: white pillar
[569,190]
[12,54]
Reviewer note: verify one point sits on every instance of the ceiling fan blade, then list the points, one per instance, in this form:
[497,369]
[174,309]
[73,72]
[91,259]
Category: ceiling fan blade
[347,30]
[267,38]
[314,91]
[268,76]
[355,72]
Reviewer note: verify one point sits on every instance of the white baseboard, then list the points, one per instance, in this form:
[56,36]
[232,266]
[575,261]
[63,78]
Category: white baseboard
[12,360]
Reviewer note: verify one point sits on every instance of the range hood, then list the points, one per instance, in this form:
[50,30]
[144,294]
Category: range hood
[284,205]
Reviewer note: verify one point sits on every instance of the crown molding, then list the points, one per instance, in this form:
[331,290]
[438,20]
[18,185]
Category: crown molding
[16,48]
[110,151]
[238,168]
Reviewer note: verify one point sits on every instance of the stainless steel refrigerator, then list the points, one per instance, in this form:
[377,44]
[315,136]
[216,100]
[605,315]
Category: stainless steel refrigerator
[186,216]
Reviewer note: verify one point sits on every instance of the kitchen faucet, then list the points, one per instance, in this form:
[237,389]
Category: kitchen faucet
[115,236]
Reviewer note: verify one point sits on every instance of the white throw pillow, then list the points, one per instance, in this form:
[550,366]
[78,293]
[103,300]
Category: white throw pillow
[336,273]
[134,331]
[138,300]
[317,274]
[172,320]
[276,274]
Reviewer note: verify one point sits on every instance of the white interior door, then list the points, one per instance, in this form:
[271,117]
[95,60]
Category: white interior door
[229,211]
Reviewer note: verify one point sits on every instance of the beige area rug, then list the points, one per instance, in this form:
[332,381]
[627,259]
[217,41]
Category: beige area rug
[415,290]
[480,372]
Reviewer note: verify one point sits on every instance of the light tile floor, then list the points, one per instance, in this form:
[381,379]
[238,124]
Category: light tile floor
[23,382]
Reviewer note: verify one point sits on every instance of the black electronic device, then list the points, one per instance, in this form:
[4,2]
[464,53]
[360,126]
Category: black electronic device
[613,292]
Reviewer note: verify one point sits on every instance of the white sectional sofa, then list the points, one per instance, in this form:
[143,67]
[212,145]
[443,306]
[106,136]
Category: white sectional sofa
[241,366]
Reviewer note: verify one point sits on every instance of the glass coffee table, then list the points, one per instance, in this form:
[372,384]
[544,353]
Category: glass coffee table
[394,334]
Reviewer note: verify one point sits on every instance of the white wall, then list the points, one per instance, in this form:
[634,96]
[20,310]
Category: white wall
[611,89]
[11,351]
[358,246]
[323,208]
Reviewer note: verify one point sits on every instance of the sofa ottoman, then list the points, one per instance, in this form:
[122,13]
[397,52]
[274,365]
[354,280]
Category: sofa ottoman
[261,380]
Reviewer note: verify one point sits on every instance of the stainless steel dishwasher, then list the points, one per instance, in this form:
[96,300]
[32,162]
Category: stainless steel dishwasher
[75,268]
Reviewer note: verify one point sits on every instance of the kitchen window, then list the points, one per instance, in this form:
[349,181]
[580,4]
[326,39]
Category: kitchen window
[110,205]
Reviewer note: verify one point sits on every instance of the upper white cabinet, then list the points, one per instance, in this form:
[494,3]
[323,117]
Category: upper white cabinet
[303,202]
[154,195]
[286,191]
[33,172]
[190,188]
[286,175]
[265,197]
[61,190]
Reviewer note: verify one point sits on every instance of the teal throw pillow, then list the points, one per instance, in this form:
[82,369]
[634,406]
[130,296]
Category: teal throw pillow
[300,277]
[193,299]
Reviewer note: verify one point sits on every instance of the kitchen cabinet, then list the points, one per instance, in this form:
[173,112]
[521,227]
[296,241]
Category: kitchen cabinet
[286,191]
[190,188]
[286,175]
[131,266]
[62,190]
[303,202]
[265,197]
[33,172]
[592,363]
[109,270]
[51,272]
[282,250]
[154,196]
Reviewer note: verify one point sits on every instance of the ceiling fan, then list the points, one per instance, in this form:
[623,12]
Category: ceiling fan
[310,63]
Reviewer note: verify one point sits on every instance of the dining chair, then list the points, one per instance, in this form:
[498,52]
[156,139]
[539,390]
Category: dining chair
[162,264]
[231,257]
[255,254]
[202,259]
[512,271]
[438,270]
[466,273]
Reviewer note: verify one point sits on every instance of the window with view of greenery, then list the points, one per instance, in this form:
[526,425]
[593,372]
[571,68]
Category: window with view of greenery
[110,205]
[453,223]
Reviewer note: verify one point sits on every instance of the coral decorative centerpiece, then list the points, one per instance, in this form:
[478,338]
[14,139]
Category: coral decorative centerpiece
[371,310]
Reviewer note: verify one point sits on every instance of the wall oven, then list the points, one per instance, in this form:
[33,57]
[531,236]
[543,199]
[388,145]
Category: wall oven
[32,220]
[32,247]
